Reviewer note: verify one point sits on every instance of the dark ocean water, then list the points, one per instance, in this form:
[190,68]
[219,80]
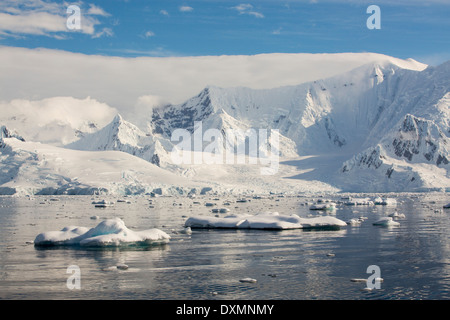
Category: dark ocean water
[413,258]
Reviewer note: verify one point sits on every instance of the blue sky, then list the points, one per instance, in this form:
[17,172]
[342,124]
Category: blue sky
[132,28]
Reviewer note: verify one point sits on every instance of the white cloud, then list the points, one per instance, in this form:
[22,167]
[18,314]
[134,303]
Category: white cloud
[243,7]
[39,23]
[149,34]
[186,9]
[35,74]
[37,17]
[164,12]
[104,32]
[246,8]
[54,120]
[277,31]
[143,109]
[94,10]
[256,14]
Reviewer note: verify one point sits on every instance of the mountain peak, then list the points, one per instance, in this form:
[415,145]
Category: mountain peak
[118,119]
[6,133]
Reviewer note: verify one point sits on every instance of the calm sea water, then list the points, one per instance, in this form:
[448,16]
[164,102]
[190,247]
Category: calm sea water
[413,258]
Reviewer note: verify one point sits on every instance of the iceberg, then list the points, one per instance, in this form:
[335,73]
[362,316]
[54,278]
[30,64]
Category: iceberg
[267,220]
[108,233]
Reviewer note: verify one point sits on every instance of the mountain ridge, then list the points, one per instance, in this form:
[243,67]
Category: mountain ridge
[381,127]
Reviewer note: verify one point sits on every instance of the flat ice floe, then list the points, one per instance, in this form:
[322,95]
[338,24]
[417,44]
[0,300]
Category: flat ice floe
[108,233]
[267,220]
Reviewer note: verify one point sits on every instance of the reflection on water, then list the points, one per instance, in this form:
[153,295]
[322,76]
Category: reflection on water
[208,264]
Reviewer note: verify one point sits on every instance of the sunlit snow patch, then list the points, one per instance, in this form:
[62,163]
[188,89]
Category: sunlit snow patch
[268,220]
[108,233]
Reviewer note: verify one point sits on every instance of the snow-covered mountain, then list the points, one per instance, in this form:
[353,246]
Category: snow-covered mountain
[121,135]
[413,151]
[36,168]
[384,117]
[335,112]
[381,127]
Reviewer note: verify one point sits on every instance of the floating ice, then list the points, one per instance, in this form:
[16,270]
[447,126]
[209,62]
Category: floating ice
[358,280]
[122,266]
[185,230]
[359,202]
[102,204]
[110,232]
[354,222]
[385,202]
[447,206]
[326,206]
[386,222]
[268,220]
[397,215]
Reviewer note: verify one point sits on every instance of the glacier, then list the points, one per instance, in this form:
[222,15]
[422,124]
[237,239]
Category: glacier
[381,127]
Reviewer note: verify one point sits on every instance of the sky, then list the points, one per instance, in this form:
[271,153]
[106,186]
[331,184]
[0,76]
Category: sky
[165,28]
[129,56]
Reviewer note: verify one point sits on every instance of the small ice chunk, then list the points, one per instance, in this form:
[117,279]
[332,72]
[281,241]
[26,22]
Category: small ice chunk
[325,206]
[386,222]
[358,280]
[397,215]
[385,202]
[122,266]
[248,280]
[354,222]
[185,230]
[112,268]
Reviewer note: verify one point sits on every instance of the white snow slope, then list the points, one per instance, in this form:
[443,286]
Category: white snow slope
[381,127]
